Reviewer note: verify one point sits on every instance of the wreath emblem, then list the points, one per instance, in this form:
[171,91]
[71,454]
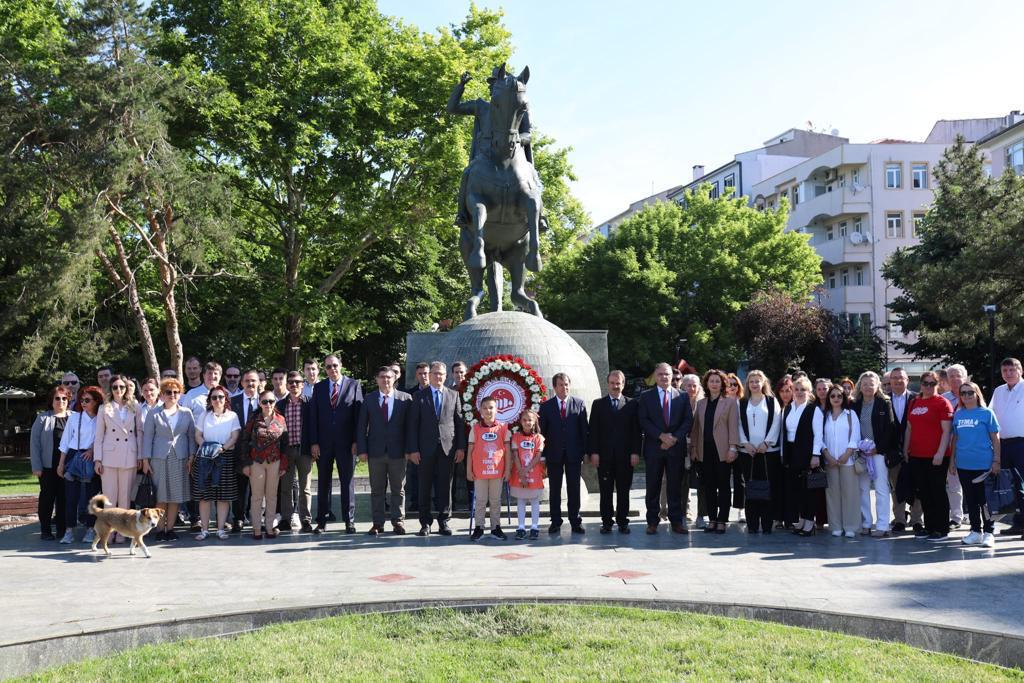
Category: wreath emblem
[510,380]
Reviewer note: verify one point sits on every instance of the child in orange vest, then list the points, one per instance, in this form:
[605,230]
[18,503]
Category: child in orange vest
[488,467]
[528,472]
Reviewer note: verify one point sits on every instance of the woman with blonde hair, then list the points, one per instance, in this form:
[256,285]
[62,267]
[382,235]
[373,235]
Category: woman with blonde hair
[695,392]
[760,421]
[168,445]
[118,438]
[878,425]
[797,452]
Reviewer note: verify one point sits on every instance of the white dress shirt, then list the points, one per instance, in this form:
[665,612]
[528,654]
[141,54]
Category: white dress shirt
[757,421]
[837,434]
[899,405]
[79,433]
[793,419]
[1008,405]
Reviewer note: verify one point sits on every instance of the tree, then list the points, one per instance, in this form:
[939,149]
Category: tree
[673,272]
[966,258]
[860,350]
[780,334]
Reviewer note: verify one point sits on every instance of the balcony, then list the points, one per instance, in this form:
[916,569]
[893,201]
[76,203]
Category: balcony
[839,202]
[841,250]
[840,299]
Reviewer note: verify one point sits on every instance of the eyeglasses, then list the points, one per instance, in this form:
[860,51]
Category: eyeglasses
[929,383]
[118,386]
[232,375]
[967,393]
[172,392]
[733,385]
[70,383]
[332,365]
[294,382]
[267,402]
[217,397]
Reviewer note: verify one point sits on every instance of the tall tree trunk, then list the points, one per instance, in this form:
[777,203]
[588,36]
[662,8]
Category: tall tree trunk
[168,282]
[293,259]
[123,276]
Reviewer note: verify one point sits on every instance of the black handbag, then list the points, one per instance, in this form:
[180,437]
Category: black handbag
[760,489]
[817,479]
[146,495]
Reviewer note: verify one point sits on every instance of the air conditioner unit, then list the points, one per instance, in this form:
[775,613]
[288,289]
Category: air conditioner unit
[830,175]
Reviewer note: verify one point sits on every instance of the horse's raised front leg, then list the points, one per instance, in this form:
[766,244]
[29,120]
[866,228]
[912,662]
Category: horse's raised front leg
[533,220]
[476,257]
[517,273]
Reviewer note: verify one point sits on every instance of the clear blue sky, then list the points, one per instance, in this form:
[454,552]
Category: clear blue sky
[644,90]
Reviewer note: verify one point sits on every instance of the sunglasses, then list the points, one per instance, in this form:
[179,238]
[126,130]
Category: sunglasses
[118,386]
[70,384]
[294,382]
[61,398]
[967,393]
[929,383]
[172,392]
[86,400]
[267,402]
[217,397]
[232,376]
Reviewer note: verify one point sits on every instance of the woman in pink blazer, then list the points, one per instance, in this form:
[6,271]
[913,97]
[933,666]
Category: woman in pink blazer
[118,441]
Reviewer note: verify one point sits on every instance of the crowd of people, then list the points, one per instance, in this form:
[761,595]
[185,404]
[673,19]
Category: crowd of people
[221,450]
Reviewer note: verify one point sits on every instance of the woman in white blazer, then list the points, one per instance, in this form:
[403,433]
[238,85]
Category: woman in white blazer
[118,440]
[168,446]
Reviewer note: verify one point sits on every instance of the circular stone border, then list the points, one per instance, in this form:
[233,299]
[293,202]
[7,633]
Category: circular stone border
[27,657]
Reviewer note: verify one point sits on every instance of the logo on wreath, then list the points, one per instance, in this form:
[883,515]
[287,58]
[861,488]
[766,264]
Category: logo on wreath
[509,380]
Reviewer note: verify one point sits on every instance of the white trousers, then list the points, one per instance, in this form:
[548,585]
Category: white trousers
[883,501]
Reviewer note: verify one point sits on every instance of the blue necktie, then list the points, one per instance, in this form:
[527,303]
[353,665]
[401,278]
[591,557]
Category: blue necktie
[437,403]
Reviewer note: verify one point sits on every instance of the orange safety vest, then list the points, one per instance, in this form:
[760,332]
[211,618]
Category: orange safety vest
[528,451]
[489,450]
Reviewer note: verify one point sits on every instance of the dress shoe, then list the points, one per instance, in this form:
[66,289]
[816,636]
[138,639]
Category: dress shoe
[444,529]
[555,527]
[397,527]
[47,536]
[606,528]
[284,526]
[424,530]
[623,528]
[578,529]
[307,528]
[375,531]
[899,527]
[350,528]
[320,528]
[652,529]
[680,529]
[236,528]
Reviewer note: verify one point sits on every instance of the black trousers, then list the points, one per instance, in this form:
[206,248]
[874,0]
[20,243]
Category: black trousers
[661,464]
[614,479]
[777,481]
[716,476]
[435,476]
[51,502]
[930,489]
[572,468]
[759,512]
[412,486]
[740,475]
[240,505]
[346,462]
[975,501]
[800,501]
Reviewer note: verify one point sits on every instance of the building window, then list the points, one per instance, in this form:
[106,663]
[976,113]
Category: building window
[842,229]
[919,176]
[846,277]
[916,227]
[893,176]
[1015,157]
[783,195]
[858,276]
[830,233]
[855,176]
[832,279]
[714,190]
[894,224]
[796,195]
[730,181]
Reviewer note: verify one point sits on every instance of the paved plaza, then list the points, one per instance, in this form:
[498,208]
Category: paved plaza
[57,592]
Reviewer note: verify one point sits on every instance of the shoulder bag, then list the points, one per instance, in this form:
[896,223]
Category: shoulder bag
[78,467]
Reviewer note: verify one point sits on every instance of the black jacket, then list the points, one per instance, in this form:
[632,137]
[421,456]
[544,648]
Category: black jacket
[885,428]
[798,456]
[613,433]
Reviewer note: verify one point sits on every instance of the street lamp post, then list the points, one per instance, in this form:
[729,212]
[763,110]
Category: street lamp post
[990,311]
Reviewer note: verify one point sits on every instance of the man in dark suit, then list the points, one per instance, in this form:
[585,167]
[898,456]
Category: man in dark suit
[436,439]
[380,440]
[295,408]
[901,397]
[412,470]
[563,422]
[333,417]
[665,419]
[245,405]
[614,446]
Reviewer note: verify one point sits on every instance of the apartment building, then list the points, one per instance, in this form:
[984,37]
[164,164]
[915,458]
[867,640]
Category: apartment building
[609,226]
[1004,147]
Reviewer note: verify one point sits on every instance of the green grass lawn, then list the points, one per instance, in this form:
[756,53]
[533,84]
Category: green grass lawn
[552,643]
[16,476]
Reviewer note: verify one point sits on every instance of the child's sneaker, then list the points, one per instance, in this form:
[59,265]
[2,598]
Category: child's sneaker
[520,534]
[477,533]
[534,534]
[498,533]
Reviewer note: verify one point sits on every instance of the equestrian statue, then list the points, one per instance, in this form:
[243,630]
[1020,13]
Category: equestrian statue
[499,212]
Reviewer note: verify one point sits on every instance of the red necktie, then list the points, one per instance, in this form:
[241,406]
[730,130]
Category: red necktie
[334,395]
[563,409]
[665,408]
[384,407]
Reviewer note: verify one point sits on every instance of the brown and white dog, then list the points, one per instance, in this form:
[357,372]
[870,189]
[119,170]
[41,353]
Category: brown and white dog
[129,523]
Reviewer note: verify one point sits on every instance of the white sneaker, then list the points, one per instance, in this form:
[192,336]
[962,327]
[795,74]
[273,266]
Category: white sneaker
[69,537]
[837,533]
[701,522]
[277,520]
[988,540]
[296,522]
[973,538]
[90,536]
[851,534]
[742,519]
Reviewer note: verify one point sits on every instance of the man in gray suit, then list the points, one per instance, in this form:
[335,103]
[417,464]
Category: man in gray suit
[436,439]
[380,441]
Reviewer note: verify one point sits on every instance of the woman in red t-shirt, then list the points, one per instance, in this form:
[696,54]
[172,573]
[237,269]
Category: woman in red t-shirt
[925,444]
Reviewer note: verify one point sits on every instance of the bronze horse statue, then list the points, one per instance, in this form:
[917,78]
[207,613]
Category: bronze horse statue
[502,196]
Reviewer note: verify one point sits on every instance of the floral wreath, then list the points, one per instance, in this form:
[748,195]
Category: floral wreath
[509,375]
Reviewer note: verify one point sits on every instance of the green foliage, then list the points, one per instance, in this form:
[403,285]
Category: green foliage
[672,273]
[781,334]
[861,350]
[968,256]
